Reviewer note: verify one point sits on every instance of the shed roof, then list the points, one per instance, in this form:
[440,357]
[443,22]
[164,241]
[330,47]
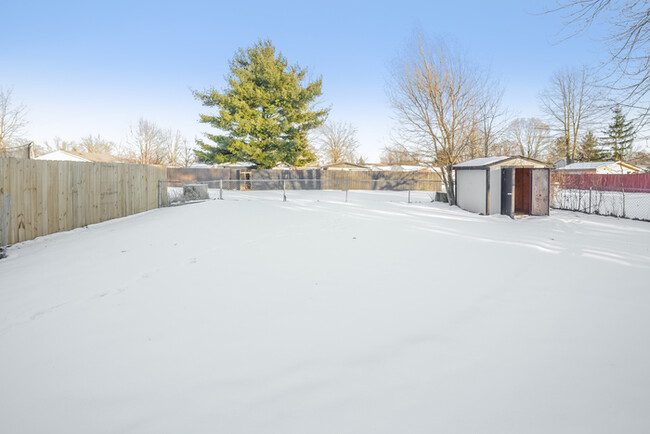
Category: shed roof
[482,163]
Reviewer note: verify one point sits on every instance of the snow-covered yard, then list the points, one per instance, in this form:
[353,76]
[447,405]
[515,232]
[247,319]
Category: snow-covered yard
[253,315]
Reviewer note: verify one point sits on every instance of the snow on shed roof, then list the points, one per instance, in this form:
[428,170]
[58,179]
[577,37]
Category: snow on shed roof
[513,160]
[481,162]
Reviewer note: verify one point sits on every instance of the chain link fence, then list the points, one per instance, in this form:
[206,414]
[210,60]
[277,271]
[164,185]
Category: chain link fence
[632,203]
[175,192]
[21,151]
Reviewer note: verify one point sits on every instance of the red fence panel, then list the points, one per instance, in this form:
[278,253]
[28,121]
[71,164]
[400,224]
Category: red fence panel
[601,182]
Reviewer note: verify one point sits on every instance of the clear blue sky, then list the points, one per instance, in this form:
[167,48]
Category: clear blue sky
[94,68]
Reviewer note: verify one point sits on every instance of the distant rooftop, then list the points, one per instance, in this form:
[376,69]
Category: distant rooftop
[590,165]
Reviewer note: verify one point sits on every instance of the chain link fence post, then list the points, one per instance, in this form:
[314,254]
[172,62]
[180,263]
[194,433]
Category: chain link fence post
[347,187]
[623,191]
[221,189]
[409,196]
[284,191]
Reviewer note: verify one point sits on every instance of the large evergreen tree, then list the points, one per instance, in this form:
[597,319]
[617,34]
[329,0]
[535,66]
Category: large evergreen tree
[560,149]
[589,149]
[619,136]
[264,113]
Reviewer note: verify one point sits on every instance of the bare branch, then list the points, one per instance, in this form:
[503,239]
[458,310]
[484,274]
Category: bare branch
[442,106]
[12,119]
[336,142]
[627,68]
[530,136]
[571,103]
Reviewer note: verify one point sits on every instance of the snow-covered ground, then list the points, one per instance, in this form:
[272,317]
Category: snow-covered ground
[253,315]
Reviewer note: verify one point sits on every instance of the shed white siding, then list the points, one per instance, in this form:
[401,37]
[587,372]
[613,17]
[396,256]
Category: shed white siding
[495,190]
[471,185]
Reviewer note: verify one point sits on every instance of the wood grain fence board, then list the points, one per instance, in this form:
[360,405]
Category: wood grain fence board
[54,196]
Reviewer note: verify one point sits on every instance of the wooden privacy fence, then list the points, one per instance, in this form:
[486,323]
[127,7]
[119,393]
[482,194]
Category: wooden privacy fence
[39,197]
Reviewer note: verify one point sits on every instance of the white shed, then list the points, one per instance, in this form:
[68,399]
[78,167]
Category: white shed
[503,185]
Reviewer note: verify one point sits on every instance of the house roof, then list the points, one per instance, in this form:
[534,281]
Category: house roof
[61,155]
[99,158]
[283,166]
[594,165]
[481,163]
[345,165]
[590,165]
[244,164]
[87,157]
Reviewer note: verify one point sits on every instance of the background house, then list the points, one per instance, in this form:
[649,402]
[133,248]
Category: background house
[345,166]
[86,157]
[601,167]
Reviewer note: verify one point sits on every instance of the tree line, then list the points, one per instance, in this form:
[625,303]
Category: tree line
[146,142]
[572,130]
[448,108]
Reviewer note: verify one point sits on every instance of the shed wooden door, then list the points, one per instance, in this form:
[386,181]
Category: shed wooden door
[540,189]
[507,191]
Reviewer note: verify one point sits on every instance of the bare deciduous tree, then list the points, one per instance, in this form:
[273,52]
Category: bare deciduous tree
[491,121]
[398,154]
[628,44]
[173,148]
[12,119]
[437,96]
[504,146]
[531,137]
[58,144]
[178,153]
[187,154]
[336,142]
[148,142]
[571,102]
[95,144]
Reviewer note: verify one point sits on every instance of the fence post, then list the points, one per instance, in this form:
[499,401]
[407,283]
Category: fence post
[347,185]
[5,215]
[409,199]
[160,193]
[284,191]
[623,191]
[590,188]
[221,189]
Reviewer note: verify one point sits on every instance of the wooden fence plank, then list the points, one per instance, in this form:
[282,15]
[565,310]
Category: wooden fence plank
[53,196]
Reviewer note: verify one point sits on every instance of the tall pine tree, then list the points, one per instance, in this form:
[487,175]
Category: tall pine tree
[589,149]
[560,149]
[619,136]
[264,113]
